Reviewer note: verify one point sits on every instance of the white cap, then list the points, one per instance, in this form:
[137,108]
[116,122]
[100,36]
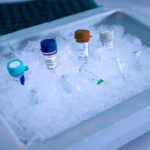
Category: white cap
[14,64]
[106,35]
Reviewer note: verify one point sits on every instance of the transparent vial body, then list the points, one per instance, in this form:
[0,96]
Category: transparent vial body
[65,83]
[50,61]
[83,50]
[33,97]
[107,44]
[83,53]
[136,57]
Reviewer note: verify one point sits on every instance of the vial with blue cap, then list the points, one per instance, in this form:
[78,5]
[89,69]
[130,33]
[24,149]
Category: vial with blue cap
[16,69]
[49,50]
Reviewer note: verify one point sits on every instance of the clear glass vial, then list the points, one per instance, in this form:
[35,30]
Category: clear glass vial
[33,97]
[64,81]
[106,38]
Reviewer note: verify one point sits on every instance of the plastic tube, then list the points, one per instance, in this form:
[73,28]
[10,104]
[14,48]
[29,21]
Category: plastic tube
[49,50]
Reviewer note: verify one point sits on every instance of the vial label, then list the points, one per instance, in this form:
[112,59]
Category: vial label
[83,49]
[50,61]
[108,44]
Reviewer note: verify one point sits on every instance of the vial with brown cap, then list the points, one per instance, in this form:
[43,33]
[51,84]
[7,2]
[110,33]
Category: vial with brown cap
[82,38]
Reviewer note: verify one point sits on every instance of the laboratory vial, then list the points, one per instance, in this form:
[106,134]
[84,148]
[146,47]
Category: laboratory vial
[33,97]
[16,69]
[136,57]
[106,38]
[64,81]
[49,50]
[82,38]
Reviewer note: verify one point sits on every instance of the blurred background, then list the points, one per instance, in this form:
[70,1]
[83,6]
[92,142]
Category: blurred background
[19,14]
[16,15]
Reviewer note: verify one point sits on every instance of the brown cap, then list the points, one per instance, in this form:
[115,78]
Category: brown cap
[82,36]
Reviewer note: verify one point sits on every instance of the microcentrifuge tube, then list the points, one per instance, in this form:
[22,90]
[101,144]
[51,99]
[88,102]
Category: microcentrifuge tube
[65,83]
[33,97]
[91,76]
[49,50]
[136,57]
[16,69]
[120,66]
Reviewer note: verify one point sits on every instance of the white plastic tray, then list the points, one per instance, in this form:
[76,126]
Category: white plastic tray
[110,129]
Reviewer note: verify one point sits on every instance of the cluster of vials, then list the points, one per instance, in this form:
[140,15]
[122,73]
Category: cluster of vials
[16,67]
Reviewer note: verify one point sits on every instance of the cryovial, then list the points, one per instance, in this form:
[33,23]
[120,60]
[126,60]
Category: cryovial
[49,50]
[106,38]
[16,69]
[33,97]
[64,80]
[82,38]
[136,57]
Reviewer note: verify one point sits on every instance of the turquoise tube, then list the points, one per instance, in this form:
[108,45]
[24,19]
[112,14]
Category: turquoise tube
[16,68]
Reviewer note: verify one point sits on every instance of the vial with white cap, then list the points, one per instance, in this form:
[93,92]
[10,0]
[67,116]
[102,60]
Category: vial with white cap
[107,37]
[82,38]
[49,50]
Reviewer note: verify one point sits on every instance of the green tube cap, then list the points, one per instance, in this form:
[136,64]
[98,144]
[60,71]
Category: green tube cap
[100,81]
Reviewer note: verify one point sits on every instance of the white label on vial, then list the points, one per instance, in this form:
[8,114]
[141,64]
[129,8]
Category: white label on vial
[14,64]
[108,44]
[83,49]
[50,61]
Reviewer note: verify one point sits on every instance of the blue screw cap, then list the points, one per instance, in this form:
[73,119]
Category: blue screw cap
[16,68]
[49,47]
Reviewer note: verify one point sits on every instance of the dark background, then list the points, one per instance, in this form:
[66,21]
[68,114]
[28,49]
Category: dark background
[16,16]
